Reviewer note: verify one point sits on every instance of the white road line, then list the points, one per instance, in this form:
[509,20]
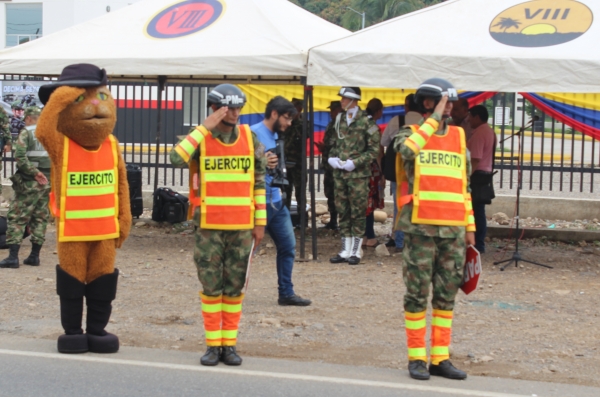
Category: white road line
[263,374]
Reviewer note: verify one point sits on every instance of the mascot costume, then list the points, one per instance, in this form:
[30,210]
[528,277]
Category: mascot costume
[90,200]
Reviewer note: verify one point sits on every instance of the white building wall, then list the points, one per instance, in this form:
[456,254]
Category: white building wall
[61,14]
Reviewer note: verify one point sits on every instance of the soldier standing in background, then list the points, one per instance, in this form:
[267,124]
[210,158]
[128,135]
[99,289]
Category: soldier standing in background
[31,184]
[5,141]
[16,120]
[293,154]
[230,167]
[433,169]
[335,107]
[356,147]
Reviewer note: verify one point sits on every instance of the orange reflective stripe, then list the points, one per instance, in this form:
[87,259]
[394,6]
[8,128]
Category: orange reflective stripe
[227,200]
[232,313]
[416,329]
[440,188]
[88,209]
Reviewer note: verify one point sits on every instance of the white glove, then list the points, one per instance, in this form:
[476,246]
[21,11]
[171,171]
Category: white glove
[334,162]
[349,166]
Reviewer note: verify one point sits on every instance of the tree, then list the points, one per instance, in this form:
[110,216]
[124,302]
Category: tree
[380,10]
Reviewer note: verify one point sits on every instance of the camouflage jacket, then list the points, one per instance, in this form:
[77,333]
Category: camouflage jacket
[25,142]
[293,141]
[358,141]
[5,129]
[404,222]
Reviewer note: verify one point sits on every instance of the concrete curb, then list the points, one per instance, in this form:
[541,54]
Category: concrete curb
[564,235]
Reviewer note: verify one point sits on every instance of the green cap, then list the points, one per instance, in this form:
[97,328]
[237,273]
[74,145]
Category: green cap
[334,105]
[32,111]
[17,105]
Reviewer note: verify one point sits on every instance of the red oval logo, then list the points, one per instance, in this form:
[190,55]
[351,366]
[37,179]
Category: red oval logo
[184,18]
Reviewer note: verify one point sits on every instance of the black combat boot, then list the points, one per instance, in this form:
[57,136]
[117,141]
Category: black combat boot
[212,356]
[98,297]
[229,356]
[12,262]
[332,224]
[417,369]
[447,370]
[71,291]
[34,257]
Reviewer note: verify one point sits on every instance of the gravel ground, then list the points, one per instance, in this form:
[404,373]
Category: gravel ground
[526,322]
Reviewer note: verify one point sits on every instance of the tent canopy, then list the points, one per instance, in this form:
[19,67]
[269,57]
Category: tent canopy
[198,40]
[478,45]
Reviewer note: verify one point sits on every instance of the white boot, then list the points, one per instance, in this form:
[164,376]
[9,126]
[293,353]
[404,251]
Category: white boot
[355,253]
[343,255]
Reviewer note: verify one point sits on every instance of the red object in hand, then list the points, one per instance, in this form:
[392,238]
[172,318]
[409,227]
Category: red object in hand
[472,270]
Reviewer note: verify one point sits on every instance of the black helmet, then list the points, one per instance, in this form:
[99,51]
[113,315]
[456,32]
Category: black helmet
[226,95]
[435,88]
[350,92]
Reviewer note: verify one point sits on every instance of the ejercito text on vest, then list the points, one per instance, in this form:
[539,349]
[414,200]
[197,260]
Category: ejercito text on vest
[227,163]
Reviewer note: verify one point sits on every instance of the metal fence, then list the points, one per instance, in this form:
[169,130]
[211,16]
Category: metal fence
[555,159]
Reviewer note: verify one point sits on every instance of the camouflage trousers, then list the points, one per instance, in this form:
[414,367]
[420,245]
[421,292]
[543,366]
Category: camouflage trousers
[432,260]
[351,197]
[221,258]
[29,207]
[328,188]
[294,176]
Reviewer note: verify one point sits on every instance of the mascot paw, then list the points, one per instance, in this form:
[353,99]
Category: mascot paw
[64,96]
[73,343]
[108,343]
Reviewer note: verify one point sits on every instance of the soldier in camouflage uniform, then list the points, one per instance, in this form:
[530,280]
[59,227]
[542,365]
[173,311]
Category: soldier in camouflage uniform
[335,107]
[222,251]
[16,120]
[356,147]
[435,241]
[293,153]
[5,140]
[31,184]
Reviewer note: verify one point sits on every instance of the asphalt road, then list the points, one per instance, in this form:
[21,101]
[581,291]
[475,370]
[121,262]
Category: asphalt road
[31,367]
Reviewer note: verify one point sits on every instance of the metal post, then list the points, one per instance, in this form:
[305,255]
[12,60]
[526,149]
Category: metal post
[302,204]
[161,86]
[313,205]
[362,14]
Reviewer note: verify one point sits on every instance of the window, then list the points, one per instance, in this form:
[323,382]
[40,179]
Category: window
[23,23]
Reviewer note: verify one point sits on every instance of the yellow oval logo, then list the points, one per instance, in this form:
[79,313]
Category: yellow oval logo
[541,23]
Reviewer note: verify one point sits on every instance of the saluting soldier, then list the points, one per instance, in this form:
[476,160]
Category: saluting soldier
[227,189]
[5,140]
[16,120]
[432,176]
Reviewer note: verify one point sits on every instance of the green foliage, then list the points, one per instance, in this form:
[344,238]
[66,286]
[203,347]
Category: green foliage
[336,11]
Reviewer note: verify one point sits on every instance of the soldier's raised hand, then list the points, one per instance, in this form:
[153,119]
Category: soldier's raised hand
[215,118]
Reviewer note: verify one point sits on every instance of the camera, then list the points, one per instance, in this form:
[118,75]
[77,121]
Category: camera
[279,173]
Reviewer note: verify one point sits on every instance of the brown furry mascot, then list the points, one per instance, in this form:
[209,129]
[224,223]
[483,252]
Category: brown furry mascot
[90,200]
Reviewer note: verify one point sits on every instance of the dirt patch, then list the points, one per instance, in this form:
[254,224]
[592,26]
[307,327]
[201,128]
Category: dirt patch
[527,322]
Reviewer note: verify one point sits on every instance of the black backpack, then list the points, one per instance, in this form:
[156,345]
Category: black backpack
[389,163]
[169,206]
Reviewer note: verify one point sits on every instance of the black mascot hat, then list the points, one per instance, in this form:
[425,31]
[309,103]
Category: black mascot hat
[78,75]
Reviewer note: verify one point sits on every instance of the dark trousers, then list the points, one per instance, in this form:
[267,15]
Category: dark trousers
[480,225]
[370,229]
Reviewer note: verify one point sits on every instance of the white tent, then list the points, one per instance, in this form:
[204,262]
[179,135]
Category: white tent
[201,40]
[479,45]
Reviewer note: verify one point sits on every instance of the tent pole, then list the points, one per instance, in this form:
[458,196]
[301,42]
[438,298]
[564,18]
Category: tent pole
[313,206]
[161,86]
[302,204]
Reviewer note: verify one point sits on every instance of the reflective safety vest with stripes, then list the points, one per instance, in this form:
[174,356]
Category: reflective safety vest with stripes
[89,198]
[440,194]
[226,182]
[36,154]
